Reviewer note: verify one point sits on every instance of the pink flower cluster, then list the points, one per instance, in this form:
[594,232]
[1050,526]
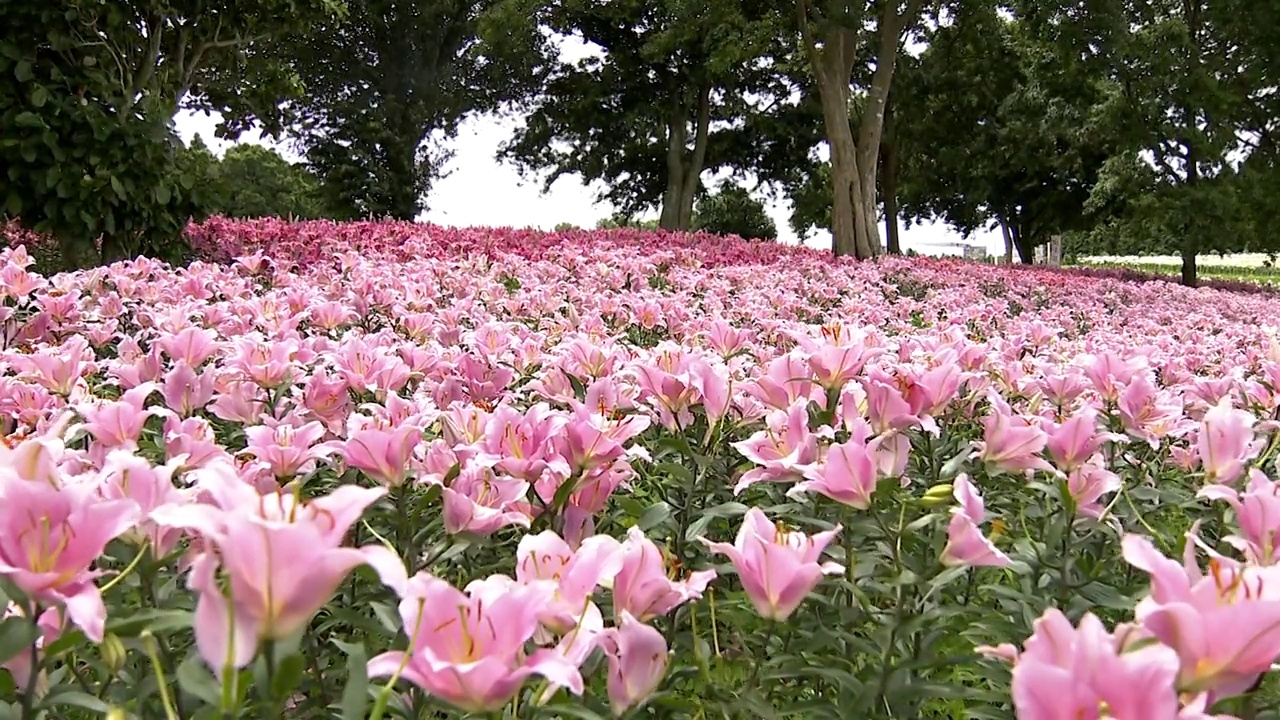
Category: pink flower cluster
[524,375]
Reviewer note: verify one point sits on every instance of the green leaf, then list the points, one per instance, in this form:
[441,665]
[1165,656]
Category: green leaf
[76,698]
[355,696]
[163,194]
[39,96]
[23,71]
[698,527]
[69,640]
[580,712]
[195,679]
[28,119]
[656,515]
[677,471]
[157,621]
[288,674]
[117,187]
[17,635]
[387,616]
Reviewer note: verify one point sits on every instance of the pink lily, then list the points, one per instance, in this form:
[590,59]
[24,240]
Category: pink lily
[642,586]
[186,392]
[575,574]
[126,476]
[117,423]
[1257,513]
[784,449]
[966,545]
[467,648]
[190,346]
[637,656]
[1010,443]
[383,455]
[284,449]
[1225,442]
[847,475]
[1224,626]
[51,537]
[1075,441]
[481,503]
[282,559]
[1066,673]
[777,567]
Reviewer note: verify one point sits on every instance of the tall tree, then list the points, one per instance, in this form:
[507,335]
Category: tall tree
[1194,75]
[1002,128]
[642,116]
[831,34]
[389,81]
[87,95]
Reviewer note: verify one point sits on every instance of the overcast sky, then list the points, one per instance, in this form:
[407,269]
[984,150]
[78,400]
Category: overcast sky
[481,191]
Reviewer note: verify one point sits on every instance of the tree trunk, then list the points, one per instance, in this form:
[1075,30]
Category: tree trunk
[1008,242]
[669,219]
[114,250]
[889,182]
[844,169]
[693,171]
[77,253]
[1026,248]
[853,161]
[1191,228]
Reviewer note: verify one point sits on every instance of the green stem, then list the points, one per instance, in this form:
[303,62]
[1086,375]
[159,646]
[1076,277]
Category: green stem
[1064,571]
[147,575]
[899,610]
[380,704]
[149,644]
[29,695]
[128,569]
[269,658]
[79,676]
[847,540]
[405,529]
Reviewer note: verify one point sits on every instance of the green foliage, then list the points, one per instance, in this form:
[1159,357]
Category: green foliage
[253,181]
[87,93]
[1000,123]
[733,211]
[619,220]
[645,117]
[106,181]
[388,82]
[1198,80]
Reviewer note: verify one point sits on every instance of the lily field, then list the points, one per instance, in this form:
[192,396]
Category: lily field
[402,471]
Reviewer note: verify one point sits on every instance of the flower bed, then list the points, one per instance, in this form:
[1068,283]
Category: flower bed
[391,470]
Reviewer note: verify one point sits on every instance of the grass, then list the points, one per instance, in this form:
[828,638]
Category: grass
[1254,267]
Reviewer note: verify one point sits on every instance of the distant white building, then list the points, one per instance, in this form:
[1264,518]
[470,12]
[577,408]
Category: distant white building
[968,251]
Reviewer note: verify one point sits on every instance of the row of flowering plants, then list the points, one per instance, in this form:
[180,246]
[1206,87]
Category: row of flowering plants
[396,471]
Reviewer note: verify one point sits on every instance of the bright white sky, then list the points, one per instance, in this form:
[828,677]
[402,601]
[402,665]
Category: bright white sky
[481,191]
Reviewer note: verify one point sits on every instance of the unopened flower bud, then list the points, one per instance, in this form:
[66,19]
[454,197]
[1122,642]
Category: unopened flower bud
[937,495]
[113,652]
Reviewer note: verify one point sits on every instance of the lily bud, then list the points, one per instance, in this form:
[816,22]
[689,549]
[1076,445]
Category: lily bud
[937,495]
[113,652]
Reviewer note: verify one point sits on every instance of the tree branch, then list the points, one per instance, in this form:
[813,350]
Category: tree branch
[140,79]
[806,36]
